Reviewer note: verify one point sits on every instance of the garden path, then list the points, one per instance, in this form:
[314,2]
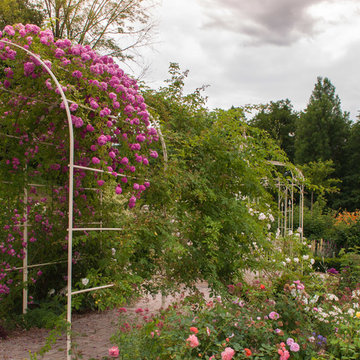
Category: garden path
[93,332]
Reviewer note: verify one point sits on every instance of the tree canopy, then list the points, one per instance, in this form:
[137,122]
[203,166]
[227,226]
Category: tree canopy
[322,128]
[279,120]
[20,11]
[108,26]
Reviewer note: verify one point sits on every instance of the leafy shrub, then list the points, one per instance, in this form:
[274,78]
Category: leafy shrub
[324,264]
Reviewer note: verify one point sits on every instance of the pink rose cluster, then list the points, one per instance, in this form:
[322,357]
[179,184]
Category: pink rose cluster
[111,102]
[294,347]
[111,125]
[227,354]
[284,353]
[193,341]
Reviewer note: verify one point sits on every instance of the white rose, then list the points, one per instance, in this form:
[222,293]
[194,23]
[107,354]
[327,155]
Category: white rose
[296,260]
[85,281]
[312,261]
[262,216]
[306,257]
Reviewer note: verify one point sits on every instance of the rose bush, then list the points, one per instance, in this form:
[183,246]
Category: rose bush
[292,324]
[112,134]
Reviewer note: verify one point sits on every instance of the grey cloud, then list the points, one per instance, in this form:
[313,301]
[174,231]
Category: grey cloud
[279,22]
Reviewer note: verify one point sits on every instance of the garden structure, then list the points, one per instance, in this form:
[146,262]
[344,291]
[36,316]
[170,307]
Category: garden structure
[67,112]
[290,193]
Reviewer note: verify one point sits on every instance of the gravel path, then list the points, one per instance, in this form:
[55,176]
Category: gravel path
[93,332]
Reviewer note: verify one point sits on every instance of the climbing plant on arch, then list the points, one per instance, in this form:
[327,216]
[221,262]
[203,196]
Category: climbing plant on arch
[112,133]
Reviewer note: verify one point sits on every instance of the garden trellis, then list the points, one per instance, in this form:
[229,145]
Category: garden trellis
[139,129]
[286,200]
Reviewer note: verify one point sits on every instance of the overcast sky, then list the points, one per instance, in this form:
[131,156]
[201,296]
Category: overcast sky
[255,51]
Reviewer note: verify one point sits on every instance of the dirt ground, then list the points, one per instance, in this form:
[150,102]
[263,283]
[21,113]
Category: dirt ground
[92,334]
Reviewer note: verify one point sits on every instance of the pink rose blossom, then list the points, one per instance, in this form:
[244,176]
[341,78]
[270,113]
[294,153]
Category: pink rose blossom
[114,351]
[102,140]
[193,341]
[153,154]
[294,347]
[274,315]
[227,354]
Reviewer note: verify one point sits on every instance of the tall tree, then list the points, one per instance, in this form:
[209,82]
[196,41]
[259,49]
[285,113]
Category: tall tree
[323,128]
[279,120]
[20,11]
[110,26]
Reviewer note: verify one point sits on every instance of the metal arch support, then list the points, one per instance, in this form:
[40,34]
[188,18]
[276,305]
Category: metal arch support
[283,208]
[71,227]
[71,188]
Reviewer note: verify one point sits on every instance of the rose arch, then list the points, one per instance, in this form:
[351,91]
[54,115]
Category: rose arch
[72,123]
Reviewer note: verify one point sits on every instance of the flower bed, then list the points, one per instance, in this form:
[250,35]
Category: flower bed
[255,321]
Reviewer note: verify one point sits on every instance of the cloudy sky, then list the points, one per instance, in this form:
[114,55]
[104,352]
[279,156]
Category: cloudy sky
[255,51]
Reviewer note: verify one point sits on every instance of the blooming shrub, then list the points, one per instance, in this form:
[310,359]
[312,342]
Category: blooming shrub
[291,324]
[112,133]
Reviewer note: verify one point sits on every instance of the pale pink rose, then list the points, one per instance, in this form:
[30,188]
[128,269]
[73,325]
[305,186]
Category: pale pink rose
[114,351]
[227,354]
[294,347]
[212,357]
[193,341]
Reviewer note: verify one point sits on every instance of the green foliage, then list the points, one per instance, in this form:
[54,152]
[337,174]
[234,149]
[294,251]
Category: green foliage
[318,174]
[197,224]
[346,236]
[20,11]
[350,267]
[323,264]
[279,120]
[318,222]
[350,189]
[46,315]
